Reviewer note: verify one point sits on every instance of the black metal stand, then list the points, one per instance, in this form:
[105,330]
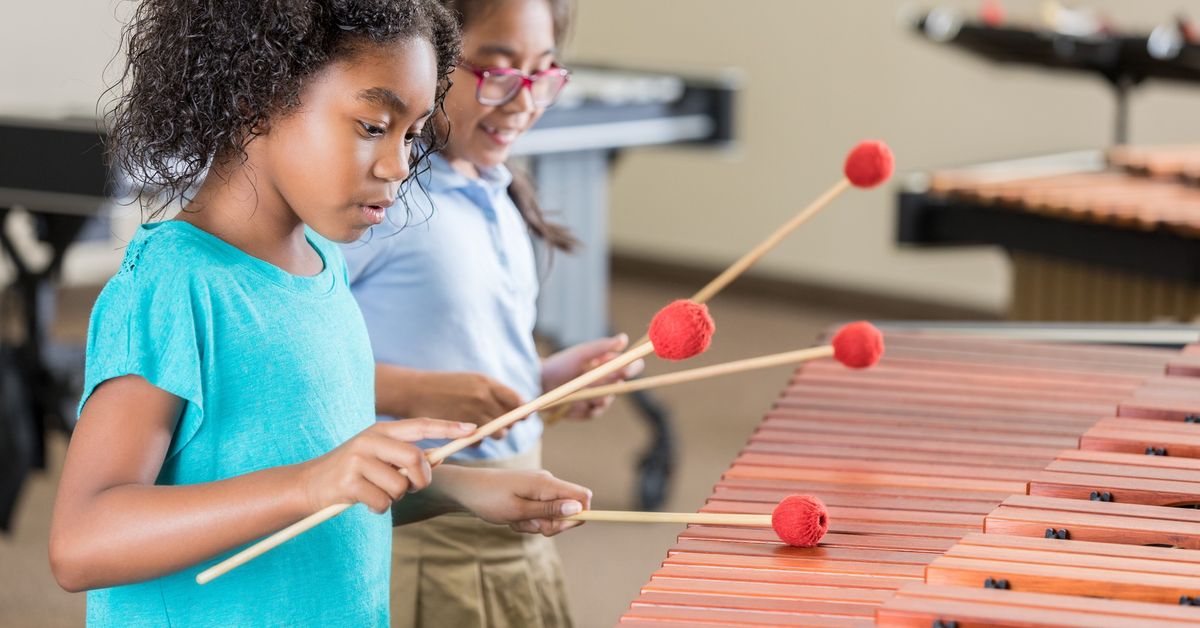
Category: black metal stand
[34,398]
[657,464]
[34,289]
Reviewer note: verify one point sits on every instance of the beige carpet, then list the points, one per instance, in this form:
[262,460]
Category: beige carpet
[606,563]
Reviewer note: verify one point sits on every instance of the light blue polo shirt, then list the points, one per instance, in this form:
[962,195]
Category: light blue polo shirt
[455,290]
[275,369]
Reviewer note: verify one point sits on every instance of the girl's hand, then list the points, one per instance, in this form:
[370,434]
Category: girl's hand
[527,501]
[572,362]
[376,467]
[471,397]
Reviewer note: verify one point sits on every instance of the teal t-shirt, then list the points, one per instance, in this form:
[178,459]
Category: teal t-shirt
[275,369]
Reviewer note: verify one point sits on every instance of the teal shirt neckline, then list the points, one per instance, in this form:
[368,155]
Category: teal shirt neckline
[318,284]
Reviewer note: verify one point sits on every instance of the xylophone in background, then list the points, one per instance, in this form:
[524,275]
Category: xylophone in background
[969,482]
[1092,236]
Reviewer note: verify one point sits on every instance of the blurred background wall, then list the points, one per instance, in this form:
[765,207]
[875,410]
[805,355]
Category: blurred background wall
[816,77]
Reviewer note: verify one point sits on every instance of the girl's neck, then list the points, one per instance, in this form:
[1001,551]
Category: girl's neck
[463,166]
[247,212]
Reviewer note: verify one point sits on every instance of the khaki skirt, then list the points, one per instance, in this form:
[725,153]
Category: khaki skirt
[461,572]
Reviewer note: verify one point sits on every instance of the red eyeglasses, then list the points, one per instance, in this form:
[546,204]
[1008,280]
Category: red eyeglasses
[497,86]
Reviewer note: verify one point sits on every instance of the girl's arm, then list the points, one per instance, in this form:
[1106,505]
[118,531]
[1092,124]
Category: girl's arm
[112,525]
[458,396]
[526,501]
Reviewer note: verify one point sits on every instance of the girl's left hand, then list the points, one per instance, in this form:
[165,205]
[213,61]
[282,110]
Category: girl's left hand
[572,362]
[533,502]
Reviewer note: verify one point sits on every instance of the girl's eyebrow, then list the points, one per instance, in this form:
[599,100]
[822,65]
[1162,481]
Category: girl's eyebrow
[501,49]
[384,97]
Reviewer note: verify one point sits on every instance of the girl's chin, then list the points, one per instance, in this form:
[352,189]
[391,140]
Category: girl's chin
[343,233]
[492,158]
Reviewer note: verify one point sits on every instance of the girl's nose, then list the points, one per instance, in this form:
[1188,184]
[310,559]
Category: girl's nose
[392,167]
[520,103]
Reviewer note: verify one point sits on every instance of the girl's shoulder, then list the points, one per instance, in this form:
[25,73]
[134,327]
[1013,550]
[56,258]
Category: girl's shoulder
[169,249]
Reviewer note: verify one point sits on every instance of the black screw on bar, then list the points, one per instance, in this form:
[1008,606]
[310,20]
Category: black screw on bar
[992,583]
[1156,451]
[944,623]
[1052,533]
[1097,496]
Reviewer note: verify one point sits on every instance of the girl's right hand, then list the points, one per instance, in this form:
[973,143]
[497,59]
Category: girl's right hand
[376,467]
[472,397]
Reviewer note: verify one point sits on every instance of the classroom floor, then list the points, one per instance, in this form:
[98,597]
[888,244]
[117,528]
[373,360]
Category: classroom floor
[605,563]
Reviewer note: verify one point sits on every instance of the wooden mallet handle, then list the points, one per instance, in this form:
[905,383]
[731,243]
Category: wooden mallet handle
[798,520]
[868,164]
[512,416]
[704,372]
[706,518]
[270,543]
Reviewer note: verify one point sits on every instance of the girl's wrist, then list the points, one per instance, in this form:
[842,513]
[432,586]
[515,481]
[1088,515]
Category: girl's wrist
[438,499]
[395,390]
[301,496]
[449,481]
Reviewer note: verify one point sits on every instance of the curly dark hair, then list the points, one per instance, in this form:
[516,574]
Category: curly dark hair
[201,76]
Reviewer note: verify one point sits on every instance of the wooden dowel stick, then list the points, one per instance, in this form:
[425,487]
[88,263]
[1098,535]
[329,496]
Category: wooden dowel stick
[746,261]
[270,543]
[737,268]
[704,372]
[512,416]
[707,518]
[773,240]
[434,456]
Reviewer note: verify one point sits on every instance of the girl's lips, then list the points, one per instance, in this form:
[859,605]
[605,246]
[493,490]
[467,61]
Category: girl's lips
[374,213]
[503,137]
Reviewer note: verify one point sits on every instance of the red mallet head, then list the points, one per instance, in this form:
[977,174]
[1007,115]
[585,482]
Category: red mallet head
[681,330]
[858,345]
[992,13]
[800,520]
[869,164]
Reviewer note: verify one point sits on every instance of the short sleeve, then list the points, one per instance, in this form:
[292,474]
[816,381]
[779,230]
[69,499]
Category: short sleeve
[145,323]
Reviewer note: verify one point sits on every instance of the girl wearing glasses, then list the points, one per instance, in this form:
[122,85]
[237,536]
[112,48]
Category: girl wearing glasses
[448,292]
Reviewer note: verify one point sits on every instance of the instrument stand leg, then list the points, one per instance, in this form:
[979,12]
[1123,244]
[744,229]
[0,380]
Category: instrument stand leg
[657,463]
[1121,89]
[35,291]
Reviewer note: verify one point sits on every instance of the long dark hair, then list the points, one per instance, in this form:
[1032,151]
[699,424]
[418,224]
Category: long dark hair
[201,76]
[521,190]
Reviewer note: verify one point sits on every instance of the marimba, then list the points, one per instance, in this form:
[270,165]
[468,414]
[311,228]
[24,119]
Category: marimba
[1093,235]
[969,482]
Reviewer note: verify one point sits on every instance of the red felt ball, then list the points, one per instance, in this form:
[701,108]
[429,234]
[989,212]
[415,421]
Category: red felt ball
[992,13]
[681,330]
[869,164]
[800,520]
[858,345]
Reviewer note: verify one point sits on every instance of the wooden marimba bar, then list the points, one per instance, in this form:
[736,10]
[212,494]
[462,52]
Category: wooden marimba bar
[1143,188]
[958,495]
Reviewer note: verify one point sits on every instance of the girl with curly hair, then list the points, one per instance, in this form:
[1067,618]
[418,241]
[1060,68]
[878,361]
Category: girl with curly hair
[229,378]
[466,269]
